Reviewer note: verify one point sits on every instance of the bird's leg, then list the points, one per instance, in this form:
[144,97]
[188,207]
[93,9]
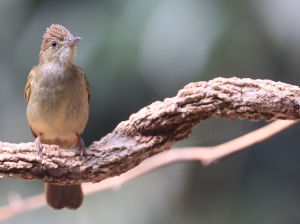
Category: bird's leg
[80,145]
[38,145]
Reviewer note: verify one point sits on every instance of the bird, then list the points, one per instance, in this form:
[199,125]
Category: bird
[57,96]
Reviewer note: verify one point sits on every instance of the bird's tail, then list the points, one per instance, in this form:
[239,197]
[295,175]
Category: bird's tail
[69,196]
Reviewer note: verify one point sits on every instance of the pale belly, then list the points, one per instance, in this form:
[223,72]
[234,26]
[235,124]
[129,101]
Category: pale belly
[59,116]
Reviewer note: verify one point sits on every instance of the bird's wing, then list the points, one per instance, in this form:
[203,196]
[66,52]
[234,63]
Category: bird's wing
[86,83]
[28,85]
[87,88]
[27,92]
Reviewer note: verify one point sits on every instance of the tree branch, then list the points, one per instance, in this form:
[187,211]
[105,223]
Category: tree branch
[152,130]
[206,155]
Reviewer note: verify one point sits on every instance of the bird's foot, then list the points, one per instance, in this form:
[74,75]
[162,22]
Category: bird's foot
[81,147]
[38,145]
[47,150]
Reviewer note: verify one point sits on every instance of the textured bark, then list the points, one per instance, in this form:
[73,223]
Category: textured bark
[152,130]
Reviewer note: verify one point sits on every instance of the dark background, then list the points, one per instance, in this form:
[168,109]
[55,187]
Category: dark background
[135,52]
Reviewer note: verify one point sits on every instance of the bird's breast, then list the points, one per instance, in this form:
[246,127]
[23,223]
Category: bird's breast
[58,106]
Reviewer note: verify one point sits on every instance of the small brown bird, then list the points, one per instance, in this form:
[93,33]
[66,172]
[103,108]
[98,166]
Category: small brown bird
[57,96]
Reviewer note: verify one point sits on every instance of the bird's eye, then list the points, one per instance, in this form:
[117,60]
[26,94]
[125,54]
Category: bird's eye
[54,43]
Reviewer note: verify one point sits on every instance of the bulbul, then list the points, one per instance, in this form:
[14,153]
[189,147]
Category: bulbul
[57,95]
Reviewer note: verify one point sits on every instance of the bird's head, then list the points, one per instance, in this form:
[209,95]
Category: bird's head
[59,46]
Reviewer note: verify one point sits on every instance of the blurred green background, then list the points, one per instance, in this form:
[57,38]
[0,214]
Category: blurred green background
[135,52]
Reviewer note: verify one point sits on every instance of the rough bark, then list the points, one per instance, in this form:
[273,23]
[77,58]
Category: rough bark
[152,130]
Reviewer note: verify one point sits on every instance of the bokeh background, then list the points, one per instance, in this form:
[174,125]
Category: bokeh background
[135,52]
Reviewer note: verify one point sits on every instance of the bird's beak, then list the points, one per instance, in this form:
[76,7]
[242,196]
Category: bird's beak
[72,41]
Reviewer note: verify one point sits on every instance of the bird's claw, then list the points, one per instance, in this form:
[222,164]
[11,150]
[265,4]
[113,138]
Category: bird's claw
[38,146]
[81,147]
